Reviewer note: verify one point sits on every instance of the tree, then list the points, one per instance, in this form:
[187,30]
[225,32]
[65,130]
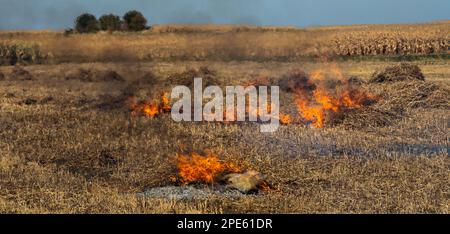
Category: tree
[110,22]
[86,23]
[135,21]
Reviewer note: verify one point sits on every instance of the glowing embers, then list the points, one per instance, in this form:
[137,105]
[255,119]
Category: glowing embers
[149,109]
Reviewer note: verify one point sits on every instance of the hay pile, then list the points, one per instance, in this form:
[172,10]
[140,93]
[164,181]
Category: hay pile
[400,88]
[19,73]
[297,80]
[81,74]
[337,89]
[149,78]
[186,78]
[259,81]
[414,94]
[109,75]
[90,75]
[150,86]
[405,86]
[354,80]
[402,72]
[378,115]
[143,85]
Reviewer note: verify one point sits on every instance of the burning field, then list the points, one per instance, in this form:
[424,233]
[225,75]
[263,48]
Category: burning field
[355,137]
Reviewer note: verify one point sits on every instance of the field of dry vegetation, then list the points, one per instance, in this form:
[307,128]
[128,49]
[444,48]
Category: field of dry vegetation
[69,142]
[231,43]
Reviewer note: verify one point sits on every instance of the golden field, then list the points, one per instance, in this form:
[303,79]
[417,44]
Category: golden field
[231,43]
[69,144]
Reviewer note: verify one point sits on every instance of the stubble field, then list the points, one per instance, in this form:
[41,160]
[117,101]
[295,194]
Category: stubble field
[69,144]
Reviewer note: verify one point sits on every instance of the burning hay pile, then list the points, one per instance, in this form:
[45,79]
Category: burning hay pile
[195,168]
[323,97]
[200,176]
[141,95]
[327,98]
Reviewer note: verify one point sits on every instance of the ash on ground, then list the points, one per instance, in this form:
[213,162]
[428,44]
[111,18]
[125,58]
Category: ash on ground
[191,192]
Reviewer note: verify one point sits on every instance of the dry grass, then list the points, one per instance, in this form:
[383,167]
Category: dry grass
[75,149]
[398,88]
[422,39]
[22,53]
[226,43]
[68,143]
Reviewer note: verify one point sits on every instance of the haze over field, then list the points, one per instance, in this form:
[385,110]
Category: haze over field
[44,14]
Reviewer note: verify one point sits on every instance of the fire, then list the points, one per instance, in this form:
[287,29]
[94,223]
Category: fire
[323,96]
[164,106]
[314,113]
[317,98]
[285,119]
[251,113]
[205,169]
[150,109]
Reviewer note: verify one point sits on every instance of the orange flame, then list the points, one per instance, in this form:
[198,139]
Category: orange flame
[285,119]
[149,108]
[314,105]
[164,106]
[205,169]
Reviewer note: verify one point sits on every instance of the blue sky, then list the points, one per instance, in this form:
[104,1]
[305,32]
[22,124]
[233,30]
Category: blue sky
[57,14]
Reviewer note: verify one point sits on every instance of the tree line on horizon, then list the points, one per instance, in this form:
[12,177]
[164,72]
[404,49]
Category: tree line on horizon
[130,21]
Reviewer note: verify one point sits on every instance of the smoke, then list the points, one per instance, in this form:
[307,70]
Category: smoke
[57,14]
[38,14]
[44,14]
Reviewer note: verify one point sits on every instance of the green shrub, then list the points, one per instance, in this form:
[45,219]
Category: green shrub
[110,22]
[86,23]
[135,21]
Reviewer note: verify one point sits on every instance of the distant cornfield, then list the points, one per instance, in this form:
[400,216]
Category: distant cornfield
[366,44]
[225,43]
[24,53]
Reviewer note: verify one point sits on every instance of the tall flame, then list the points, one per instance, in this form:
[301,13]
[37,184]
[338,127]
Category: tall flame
[319,99]
[205,169]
